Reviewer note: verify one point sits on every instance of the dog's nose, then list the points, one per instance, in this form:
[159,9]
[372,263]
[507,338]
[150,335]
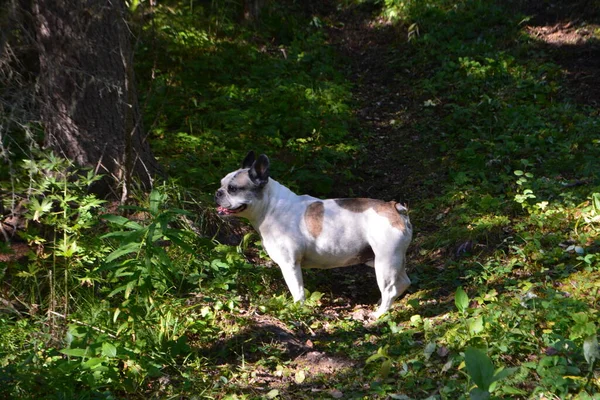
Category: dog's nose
[219,194]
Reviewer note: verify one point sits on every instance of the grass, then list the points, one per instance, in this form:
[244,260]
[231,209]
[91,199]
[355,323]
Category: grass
[505,262]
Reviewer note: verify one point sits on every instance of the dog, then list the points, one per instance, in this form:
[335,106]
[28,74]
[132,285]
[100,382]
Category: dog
[301,231]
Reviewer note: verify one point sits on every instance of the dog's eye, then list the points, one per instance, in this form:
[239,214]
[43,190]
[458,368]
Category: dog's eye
[232,189]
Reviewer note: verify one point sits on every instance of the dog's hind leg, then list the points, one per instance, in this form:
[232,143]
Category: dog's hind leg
[391,279]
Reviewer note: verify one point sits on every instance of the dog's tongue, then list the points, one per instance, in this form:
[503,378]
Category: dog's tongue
[224,211]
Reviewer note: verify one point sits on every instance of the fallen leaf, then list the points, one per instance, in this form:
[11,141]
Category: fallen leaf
[443,351]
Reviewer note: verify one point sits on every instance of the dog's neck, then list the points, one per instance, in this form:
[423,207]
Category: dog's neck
[277,197]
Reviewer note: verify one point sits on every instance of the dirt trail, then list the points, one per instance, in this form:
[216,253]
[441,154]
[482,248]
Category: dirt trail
[397,159]
[390,169]
[393,164]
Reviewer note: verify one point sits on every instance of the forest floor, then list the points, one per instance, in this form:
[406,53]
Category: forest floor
[387,106]
[396,159]
[486,128]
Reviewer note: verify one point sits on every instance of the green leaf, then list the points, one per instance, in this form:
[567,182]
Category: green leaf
[75,352]
[514,390]
[315,296]
[117,290]
[40,209]
[116,234]
[272,394]
[475,325]
[109,350]
[93,362]
[116,314]
[580,318]
[416,320]
[590,349]
[479,394]
[175,237]
[529,193]
[385,368]
[129,288]
[122,221]
[461,300]
[382,352]
[123,250]
[429,349]
[127,236]
[504,373]
[156,198]
[375,357]
[180,211]
[115,219]
[596,201]
[479,368]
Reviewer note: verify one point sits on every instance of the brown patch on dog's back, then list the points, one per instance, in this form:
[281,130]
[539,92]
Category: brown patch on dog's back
[385,209]
[313,216]
[389,211]
[356,205]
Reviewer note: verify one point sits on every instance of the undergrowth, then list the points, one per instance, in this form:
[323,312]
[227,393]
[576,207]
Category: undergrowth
[214,94]
[142,301]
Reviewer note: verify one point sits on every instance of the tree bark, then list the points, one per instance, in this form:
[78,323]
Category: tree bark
[88,100]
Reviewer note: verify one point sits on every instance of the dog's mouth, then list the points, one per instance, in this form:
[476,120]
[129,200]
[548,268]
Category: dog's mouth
[229,211]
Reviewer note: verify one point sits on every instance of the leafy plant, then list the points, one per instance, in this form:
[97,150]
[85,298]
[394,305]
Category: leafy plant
[142,269]
[473,325]
[60,214]
[150,268]
[386,361]
[482,373]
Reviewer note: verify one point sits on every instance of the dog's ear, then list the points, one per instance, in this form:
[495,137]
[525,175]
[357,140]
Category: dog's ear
[249,160]
[259,172]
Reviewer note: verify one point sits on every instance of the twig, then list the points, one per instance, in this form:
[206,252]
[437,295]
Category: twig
[82,323]
[4,233]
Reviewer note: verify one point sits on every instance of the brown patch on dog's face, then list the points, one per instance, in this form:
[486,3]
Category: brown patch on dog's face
[385,209]
[313,216]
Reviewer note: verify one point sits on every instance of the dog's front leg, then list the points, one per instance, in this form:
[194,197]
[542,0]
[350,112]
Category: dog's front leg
[292,273]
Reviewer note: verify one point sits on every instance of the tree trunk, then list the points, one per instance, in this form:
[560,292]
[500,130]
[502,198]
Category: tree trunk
[88,100]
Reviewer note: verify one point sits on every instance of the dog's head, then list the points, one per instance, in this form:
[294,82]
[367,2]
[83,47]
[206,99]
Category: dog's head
[241,188]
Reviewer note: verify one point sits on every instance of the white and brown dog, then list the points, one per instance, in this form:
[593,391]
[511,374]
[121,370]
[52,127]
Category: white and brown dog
[303,231]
